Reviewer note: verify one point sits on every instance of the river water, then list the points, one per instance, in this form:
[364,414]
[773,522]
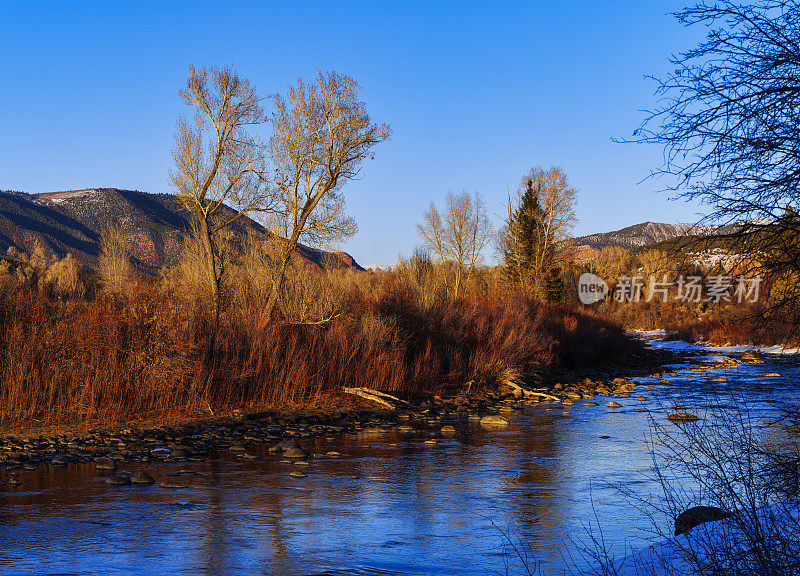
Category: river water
[391,504]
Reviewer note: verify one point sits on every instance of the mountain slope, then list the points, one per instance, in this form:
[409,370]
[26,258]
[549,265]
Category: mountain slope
[154,226]
[644,234]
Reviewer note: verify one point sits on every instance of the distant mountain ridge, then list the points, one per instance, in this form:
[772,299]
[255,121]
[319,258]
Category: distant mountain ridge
[154,226]
[647,233]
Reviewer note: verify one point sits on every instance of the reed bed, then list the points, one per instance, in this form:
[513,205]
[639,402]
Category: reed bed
[152,349]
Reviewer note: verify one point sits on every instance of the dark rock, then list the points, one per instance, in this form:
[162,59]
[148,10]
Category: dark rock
[281,446]
[118,480]
[697,515]
[142,479]
[104,463]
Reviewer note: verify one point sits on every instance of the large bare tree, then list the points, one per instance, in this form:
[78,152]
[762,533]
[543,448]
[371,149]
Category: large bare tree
[459,234]
[728,118]
[321,136]
[219,165]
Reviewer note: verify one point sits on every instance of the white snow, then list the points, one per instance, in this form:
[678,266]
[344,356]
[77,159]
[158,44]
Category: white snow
[680,345]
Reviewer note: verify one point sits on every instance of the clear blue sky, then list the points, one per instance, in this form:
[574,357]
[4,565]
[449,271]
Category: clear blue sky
[476,93]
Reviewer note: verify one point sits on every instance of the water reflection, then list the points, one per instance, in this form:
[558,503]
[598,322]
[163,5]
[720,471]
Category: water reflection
[392,503]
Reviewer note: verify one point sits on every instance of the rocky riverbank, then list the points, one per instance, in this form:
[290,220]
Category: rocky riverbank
[285,431]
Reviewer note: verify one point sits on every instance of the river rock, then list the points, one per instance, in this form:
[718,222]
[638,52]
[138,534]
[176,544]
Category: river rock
[295,453]
[682,417]
[103,463]
[283,446]
[448,430]
[494,421]
[142,479]
[172,485]
[751,354]
[298,474]
[118,481]
[59,460]
[613,404]
[697,515]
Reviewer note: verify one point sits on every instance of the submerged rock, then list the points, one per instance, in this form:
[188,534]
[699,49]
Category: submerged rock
[682,417]
[118,481]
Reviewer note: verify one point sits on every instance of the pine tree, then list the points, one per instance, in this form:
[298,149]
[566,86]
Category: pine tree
[554,284]
[525,238]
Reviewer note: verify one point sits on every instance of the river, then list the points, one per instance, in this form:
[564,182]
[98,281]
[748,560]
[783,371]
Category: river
[393,503]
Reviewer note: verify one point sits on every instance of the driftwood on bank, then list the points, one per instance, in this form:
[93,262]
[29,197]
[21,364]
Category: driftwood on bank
[374,396]
[528,392]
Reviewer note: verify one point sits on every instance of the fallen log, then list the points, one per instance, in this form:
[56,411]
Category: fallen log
[528,392]
[374,396]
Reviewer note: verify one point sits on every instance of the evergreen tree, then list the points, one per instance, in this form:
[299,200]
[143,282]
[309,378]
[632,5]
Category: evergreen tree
[554,284]
[524,241]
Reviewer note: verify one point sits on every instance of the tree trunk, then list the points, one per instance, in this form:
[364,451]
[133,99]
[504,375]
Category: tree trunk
[277,283]
[211,267]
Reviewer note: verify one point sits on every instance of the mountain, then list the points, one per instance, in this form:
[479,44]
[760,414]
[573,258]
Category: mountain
[154,226]
[644,234]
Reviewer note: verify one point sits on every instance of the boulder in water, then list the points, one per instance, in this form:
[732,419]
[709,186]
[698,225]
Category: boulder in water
[697,515]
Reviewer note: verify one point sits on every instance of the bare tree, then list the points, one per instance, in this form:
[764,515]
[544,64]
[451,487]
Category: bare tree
[219,164]
[535,234]
[459,235]
[114,264]
[728,119]
[322,135]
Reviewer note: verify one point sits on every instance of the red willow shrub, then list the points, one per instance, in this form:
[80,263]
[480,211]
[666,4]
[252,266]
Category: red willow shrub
[149,353]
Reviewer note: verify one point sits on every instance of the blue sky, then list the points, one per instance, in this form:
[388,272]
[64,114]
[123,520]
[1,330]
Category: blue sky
[476,93]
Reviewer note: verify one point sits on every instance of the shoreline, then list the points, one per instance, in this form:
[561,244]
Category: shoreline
[196,438]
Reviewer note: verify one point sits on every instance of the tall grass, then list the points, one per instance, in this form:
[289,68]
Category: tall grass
[155,350]
[740,324]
